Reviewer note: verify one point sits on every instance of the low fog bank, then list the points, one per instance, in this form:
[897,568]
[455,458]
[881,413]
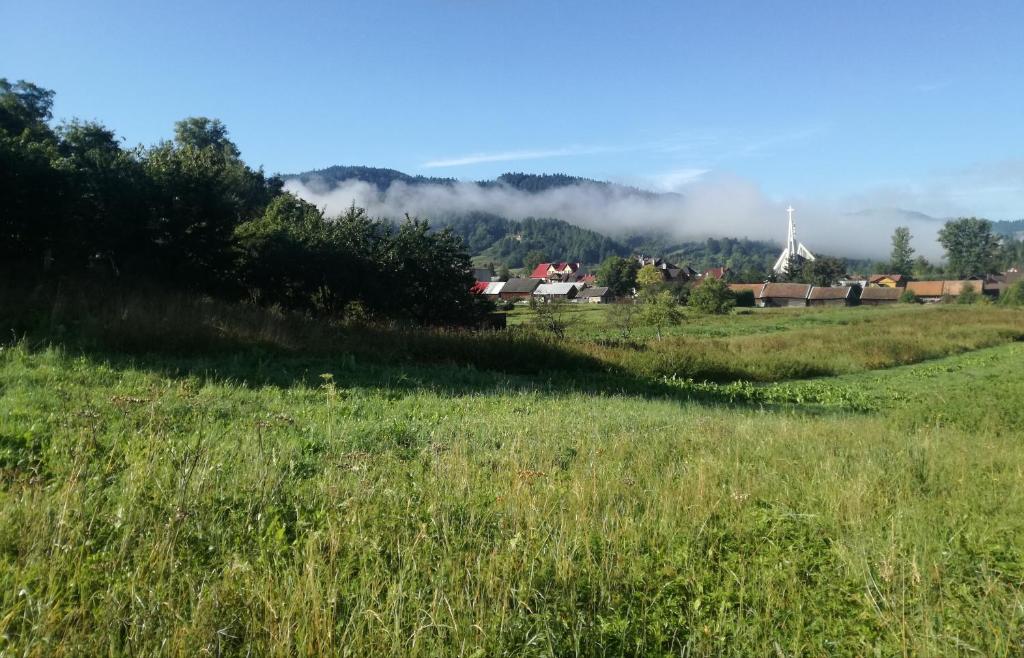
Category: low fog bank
[719,206]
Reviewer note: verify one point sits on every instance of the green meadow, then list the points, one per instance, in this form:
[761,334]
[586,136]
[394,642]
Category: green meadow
[774,482]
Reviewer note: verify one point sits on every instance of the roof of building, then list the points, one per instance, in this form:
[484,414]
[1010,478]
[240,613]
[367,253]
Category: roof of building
[874,278]
[838,292]
[541,271]
[478,287]
[879,293]
[787,290]
[520,285]
[954,288]
[555,289]
[597,291]
[940,288]
[563,266]
[925,288]
[494,287]
[744,287]
[716,272]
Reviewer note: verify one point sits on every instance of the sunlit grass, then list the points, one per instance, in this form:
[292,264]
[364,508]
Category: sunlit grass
[255,503]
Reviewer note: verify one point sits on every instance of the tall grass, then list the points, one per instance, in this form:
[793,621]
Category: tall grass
[768,346]
[143,514]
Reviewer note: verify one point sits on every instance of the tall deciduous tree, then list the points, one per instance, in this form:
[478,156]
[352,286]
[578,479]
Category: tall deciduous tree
[901,261]
[619,274]
[972,249]
[648,276]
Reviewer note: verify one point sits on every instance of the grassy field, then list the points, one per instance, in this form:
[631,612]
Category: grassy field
[414,495]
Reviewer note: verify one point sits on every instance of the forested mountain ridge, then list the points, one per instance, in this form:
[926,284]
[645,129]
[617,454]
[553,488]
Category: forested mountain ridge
[330,177]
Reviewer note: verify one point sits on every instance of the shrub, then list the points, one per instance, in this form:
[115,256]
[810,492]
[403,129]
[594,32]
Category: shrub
[908,297]
[712,296]
[745,298]
[968,295]
[1013,295]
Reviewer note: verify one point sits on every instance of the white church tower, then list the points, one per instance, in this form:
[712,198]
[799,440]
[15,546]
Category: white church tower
[793,248]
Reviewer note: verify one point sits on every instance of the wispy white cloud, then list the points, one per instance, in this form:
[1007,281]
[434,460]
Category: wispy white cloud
[512,156]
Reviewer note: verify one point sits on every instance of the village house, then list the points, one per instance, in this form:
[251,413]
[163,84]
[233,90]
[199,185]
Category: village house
[541,271]
[563,271]
[887,280]
[555,291]
[716,273]
[556,271]
[595,295]
[783,294]
[669,271]
[832,296]
[879,296]
[517,290]
[996,284]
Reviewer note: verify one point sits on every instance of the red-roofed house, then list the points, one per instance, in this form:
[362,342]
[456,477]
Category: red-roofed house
[478,288]
[541,271]
[563,271]
[716,273]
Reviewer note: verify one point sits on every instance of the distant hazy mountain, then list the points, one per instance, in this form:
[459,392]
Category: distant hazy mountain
[1010,228]
[899,213]
[383,178]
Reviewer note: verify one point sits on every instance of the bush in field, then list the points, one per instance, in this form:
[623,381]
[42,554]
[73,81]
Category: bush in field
[621,318]
[908,297]
[660,309]
[551,317]
[968,295]
[1013,295]
[712,296]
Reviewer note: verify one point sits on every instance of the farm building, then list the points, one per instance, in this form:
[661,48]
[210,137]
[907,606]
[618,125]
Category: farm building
[477,288]
[933,291]
[746,293]
[784,294]
[832,296]
[552,291]
[516,290]
[878,296]
[597,295]
[493,290]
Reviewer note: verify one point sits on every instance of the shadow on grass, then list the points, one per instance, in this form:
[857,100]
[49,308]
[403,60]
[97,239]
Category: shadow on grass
[181,335]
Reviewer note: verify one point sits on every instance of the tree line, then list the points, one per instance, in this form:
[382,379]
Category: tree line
[189,214]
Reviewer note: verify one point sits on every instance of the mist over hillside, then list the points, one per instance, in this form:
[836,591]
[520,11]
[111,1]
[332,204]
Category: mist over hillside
[716,207]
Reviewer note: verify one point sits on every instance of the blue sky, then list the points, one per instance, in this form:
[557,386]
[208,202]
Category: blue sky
[916,104]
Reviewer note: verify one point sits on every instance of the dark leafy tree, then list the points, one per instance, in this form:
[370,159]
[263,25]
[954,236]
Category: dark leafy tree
[972,248]
[824,271]
[712,296]
[619,274]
